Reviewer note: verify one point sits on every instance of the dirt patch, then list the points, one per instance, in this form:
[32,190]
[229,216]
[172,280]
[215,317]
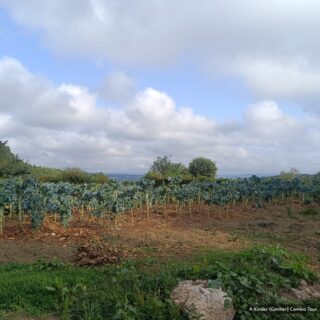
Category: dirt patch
[30,251]
[99,253]
[18,316]
[304,292]
[231,228]
[168,238]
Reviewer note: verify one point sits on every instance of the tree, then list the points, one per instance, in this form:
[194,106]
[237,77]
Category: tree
[202,167]
[11,164]
[75,175]
[99,177]
[290,175]
[163,167]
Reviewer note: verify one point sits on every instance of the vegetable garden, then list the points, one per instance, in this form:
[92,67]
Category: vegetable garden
[28,197]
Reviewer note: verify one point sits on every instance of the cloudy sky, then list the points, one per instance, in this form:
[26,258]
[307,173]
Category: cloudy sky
[108,85]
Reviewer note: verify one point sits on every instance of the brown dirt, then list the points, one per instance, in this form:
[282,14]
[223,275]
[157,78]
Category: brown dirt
[17,316]
[229,229]
[32,250]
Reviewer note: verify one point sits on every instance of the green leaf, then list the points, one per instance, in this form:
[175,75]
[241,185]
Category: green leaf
[50,289]
[215,284]
[227,303]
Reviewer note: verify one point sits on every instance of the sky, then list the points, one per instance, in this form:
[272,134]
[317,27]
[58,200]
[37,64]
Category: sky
[109,85]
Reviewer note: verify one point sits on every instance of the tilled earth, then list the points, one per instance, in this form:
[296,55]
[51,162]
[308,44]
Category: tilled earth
[93,241]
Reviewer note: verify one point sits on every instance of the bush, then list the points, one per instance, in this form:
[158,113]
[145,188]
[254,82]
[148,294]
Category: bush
[99,178]
[11,164]
[75,175]
[163,168]
[202,167]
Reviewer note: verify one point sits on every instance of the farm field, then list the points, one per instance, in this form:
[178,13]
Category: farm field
[158,245]
[235,229]
[159,160]
[65,245]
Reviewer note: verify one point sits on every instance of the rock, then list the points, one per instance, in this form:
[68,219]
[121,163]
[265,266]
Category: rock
[305,291]
[208,303]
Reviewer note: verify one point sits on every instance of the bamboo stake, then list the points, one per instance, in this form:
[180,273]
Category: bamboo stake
[147,203]
[1,221]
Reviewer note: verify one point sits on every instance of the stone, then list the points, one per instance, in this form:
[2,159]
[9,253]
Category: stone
[304,292]
[197,299]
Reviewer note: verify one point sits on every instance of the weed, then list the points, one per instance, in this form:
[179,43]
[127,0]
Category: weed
[311,211]
[140,289]
[290,212]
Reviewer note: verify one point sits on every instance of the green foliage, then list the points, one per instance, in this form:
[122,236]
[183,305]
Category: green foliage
[163,168]
[141,288]
[75,175]
[202,167]
[113,198]
[290,175]
[99,177]
[311,211]
[10,164]
[45,174]
[34,201]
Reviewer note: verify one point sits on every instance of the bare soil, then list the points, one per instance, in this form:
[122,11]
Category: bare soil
[17,316]
[100,241]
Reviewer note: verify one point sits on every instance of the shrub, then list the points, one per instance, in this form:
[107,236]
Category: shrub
[202,167]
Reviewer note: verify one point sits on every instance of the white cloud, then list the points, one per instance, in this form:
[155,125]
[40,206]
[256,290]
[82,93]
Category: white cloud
[270,44]
[159,31]
[63,126]
[293,80]
[117,87]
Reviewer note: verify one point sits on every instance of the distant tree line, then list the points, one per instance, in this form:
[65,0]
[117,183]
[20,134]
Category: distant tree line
[164,168]
[161,170]
[11,165]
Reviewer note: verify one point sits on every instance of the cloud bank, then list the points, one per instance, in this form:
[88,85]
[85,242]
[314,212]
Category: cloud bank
[66,125]
[270,45]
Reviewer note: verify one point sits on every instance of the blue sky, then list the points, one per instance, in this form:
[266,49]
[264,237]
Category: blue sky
[105,85]
[208,95]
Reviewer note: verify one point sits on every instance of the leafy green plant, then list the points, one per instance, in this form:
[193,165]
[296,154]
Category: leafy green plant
[311,211]
[140,289]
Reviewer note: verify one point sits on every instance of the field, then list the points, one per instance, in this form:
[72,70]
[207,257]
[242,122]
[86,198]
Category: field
[164,237]
[65,271]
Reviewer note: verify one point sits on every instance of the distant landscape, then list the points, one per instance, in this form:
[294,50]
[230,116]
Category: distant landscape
[136,177]
[237,230]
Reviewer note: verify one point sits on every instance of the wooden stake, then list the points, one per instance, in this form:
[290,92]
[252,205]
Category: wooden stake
[1,221]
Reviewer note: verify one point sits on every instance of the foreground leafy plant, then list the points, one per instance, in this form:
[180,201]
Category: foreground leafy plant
[140,289]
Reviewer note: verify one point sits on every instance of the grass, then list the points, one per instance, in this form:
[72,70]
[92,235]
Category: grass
[311,211]
[140,289]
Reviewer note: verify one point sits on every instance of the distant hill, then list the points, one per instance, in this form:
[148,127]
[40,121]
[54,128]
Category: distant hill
[136,177]
[125,177]
[11,164]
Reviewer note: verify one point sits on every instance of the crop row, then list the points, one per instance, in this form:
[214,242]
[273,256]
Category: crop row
[28,196]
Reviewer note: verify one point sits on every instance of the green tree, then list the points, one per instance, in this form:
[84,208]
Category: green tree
[163,168]
[290,175]
[11,164]
[99,177]
[202,167]
[75,175]
[44,174]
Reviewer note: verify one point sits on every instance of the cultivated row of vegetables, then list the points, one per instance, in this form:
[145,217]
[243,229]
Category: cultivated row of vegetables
[26,196]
